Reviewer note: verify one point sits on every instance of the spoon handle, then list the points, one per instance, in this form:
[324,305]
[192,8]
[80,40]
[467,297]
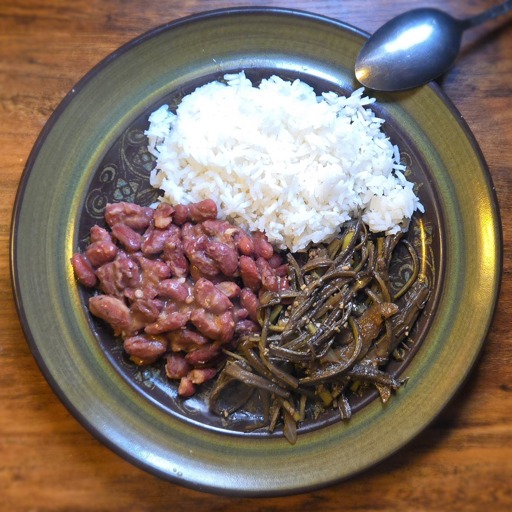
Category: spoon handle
[488,15]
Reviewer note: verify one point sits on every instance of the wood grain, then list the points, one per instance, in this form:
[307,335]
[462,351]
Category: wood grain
[48,462]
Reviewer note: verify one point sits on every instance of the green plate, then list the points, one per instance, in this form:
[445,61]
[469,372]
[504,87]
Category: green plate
[92,150]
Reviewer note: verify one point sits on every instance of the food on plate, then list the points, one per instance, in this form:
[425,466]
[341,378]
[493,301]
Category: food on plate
[330,332]
[277,158]
[266,267]
[177,283]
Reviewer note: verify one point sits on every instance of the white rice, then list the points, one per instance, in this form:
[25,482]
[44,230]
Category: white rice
[279,159]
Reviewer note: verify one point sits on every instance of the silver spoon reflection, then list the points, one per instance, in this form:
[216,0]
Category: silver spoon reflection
[415,47]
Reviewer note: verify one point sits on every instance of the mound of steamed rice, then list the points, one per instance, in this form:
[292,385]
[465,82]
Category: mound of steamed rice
[277,158]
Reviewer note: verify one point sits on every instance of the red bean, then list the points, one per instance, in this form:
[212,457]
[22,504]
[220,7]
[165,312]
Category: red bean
[249,273]
[244,243]
[250,302]
[122,273]
[154,270]
[83,270]
[168,321]
[153,240]
[127,237]
[204,263]
[282,270]
[97,234]
[101,252]
[186,340]
[186,387]
[162,217]
[240,313]
[269,279]
[176,367]
[135,216]
[203,210]
[201,375]
[262,247]
[113,310]
[175,288]
[173,253]
[203,355]
[194,245]
[181,214]
[209,297]
[219,230]
[127,270]
[226,327]
[216,327]
[145,350]
[229,288]
[146,310]
[276,261]
[225,257]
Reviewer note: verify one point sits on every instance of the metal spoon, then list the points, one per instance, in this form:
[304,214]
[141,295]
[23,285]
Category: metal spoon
[415,47]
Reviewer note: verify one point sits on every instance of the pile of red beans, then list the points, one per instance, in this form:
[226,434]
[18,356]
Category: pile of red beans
[175,282]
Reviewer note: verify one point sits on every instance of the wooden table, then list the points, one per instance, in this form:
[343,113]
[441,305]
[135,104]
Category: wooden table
[48,462]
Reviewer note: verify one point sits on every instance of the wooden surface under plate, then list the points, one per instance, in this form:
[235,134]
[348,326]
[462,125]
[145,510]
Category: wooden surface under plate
[462,461]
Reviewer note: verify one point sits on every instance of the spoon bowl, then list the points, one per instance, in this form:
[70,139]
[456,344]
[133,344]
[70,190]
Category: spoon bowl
[415,47]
